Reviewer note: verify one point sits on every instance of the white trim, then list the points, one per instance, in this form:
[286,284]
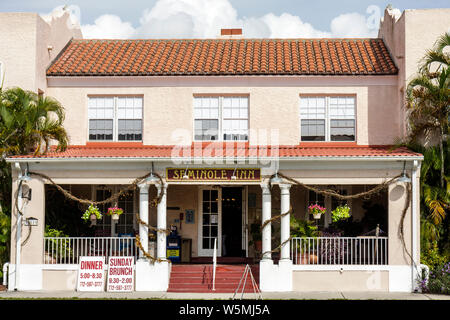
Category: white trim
[209,252]
[341,267]
[229,81]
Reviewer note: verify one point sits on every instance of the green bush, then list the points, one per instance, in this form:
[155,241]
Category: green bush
[5,236]
[438,280]
[431,257]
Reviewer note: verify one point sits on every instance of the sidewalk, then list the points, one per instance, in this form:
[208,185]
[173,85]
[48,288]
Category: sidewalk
[220,296]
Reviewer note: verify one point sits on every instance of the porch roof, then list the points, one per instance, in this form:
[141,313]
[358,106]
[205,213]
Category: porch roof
[303,151]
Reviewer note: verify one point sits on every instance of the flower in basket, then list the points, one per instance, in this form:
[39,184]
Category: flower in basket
[316,210]
[114,210]
[92,210]
[340,213]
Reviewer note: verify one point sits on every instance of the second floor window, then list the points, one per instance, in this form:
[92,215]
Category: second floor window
[221,118]
[327,118]
[115,118]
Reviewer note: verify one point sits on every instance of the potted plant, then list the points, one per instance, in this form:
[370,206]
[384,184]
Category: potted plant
[340,213]
[316,210]
[303,229]
[92,213]
[114,212]
[255,230]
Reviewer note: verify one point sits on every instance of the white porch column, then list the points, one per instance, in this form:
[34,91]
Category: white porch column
[266,215]
[162,221]
[285,221]
[143,215]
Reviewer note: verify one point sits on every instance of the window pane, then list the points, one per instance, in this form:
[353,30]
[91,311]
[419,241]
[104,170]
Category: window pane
[342,107]
[312,107]
[342,130]
[206,129]
[129,108]
[130,130]
[313,130]
[100,129]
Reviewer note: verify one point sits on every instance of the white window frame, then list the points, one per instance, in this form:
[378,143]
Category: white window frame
[327,118]
[328,201]
[112,226]
[220,117]
[116,118]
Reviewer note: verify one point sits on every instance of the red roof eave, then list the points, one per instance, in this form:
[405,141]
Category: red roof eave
[214,150]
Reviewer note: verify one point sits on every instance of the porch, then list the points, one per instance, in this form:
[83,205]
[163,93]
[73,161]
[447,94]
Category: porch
[204,211]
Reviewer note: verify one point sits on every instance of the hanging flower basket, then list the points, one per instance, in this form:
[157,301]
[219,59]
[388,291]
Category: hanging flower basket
[316,210]
[114,212]
[93,214]
[340,213]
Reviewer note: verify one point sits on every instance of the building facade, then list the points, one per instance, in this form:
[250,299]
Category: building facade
[232,135]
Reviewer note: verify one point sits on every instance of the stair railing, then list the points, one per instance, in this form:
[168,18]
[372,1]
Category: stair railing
[214,264]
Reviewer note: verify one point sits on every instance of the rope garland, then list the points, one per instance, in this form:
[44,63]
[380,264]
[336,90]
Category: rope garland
[113,198]
[154,202]
[333,193]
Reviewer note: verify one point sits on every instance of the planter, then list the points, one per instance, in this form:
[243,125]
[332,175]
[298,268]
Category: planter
[258,246]
[93,218]
[317,216]
[306,258]
[115,217]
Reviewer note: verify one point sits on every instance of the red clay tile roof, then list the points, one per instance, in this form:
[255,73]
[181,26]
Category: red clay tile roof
[223,57]
[134,151]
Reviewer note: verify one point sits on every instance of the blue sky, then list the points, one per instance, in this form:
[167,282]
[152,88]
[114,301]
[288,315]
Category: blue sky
[139,18]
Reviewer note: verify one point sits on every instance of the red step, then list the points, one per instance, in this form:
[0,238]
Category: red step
[198,278]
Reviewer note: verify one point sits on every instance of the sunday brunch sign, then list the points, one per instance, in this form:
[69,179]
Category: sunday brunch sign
[120,274]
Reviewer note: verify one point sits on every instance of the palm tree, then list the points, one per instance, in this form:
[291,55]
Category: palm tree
[29,122]
[428,103]
[437,57]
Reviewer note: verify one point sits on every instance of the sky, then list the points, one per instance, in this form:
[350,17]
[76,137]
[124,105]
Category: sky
[205,18]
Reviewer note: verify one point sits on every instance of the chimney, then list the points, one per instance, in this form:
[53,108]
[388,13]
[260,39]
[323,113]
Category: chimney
[231,33]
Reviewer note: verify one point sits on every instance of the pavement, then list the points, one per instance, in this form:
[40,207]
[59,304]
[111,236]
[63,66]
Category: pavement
[15,295]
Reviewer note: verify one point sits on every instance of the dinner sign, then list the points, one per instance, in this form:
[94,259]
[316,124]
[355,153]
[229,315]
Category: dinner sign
[213,174]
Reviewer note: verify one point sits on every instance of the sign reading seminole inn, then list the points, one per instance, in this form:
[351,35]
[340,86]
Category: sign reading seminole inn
[213,174]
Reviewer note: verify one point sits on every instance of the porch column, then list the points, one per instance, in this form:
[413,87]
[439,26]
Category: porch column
[162,221]
[143,215]
[266,215]
[285,221]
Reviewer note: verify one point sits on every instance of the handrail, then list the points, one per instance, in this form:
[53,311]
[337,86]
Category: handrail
[364,250]
[214,264]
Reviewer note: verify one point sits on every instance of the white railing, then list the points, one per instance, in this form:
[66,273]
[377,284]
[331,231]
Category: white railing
[214,265]
[67,250]
[340,250]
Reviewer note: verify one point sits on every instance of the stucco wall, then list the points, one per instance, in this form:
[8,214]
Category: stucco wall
[408,36]
[168,111]
[361,281]
[24,42]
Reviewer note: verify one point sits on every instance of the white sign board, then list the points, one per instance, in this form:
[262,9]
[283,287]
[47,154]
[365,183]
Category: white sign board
[120,274]
[90,274]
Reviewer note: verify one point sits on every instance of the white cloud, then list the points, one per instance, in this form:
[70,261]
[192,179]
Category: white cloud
[351,25]
[289,26]
[108,26]
[205,18]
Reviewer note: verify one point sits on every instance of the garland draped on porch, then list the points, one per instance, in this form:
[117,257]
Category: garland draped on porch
[154,202]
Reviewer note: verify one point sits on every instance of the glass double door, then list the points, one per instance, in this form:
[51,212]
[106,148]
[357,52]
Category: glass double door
[221,219]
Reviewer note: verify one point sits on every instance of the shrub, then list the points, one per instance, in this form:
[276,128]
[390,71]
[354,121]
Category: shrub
[438,280]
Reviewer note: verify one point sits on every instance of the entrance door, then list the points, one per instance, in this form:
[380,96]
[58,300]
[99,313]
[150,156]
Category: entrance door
[210,221]
[232,222]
